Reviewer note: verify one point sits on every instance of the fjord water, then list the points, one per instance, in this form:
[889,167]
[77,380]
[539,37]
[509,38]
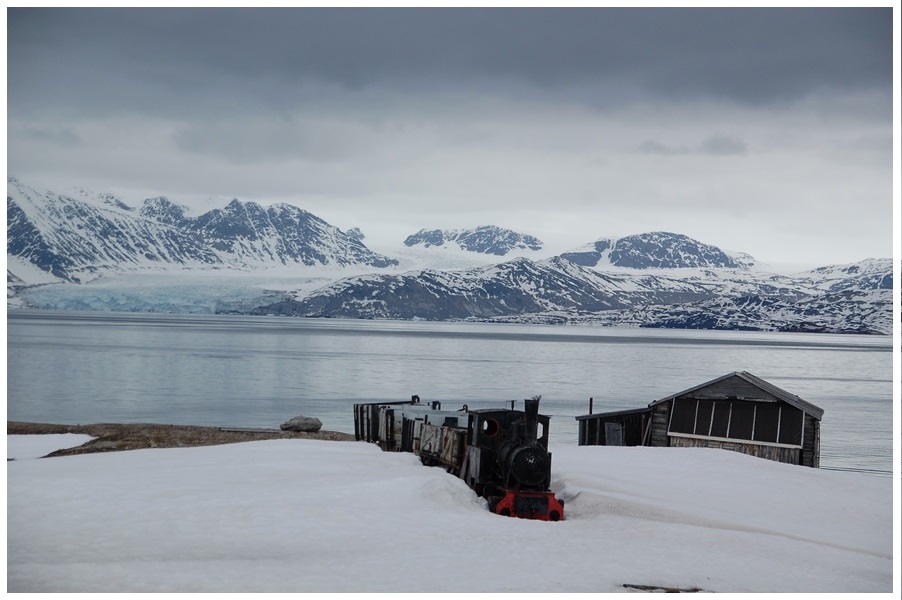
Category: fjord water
[236,371]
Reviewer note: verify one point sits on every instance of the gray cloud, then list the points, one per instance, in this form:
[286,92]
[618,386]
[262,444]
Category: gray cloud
[722,145]
[543,120]
[653,147]
[61,136]
[197,60]
[257,140]
[716,145]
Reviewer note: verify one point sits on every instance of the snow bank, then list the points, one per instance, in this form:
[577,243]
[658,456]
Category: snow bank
[313,516]
[20,447]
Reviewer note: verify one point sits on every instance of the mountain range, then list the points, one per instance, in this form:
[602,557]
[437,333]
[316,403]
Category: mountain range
[86,242]
[80,236]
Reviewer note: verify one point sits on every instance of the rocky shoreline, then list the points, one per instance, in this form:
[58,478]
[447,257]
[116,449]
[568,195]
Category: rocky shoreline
[112,437]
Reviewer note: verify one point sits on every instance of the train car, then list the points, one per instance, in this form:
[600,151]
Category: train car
[502,454]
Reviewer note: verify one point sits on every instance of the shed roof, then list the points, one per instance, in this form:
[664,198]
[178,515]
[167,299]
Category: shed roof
[615,413]
[763,385]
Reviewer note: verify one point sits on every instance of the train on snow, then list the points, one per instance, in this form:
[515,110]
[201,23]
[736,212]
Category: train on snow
[502,454]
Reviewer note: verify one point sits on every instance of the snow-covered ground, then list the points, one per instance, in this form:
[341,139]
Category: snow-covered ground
[20,447]
[314,516]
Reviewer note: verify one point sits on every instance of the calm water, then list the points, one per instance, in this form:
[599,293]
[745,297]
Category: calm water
[72,367]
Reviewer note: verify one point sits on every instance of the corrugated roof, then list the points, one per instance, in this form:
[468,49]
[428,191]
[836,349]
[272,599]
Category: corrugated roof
[761,384]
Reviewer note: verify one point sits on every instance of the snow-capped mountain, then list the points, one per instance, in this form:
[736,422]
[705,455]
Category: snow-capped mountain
[76,239]
[520,286]
[870,274]
[656,250]
[487,239]
[652,279]
[850,311]
[80,236]
[558,291]
[249,234]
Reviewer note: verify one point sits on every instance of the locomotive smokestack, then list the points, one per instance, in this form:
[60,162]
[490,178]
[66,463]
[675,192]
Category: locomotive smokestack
[531,420]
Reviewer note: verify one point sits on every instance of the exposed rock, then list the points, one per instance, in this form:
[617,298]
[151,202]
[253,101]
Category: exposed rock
[487,239]
[301,423]
[134,436]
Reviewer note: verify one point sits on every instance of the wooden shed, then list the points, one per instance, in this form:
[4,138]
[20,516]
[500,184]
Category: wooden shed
[737,411]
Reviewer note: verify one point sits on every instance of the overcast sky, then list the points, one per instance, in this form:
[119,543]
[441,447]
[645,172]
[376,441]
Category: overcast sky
[766,131]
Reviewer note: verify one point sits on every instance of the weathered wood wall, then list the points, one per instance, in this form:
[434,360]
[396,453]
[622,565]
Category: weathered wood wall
[592,431]
[811,443]
[660,419]
[786,455]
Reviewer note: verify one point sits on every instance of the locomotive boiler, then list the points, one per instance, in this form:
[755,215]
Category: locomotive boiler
[502,454]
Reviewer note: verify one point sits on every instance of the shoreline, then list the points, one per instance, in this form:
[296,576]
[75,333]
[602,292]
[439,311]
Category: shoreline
[115,437]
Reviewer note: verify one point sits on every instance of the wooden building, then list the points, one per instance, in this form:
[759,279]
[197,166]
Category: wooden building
[738,411]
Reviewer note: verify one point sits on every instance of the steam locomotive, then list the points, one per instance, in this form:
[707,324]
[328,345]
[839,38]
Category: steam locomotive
[502,454]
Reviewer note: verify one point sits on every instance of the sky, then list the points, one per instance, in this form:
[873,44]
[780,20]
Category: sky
[313,516]
[765,131]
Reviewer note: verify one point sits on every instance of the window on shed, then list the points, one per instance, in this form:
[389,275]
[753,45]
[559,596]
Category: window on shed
[682,417]
[721,421]
[766,422]
[703,417]
[767,419]
[791,426]
[742,420]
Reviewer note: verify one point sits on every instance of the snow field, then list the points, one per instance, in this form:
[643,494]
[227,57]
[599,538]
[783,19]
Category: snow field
[313,516]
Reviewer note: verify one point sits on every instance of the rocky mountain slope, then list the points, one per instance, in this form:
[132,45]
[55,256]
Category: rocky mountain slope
[520,286]
[656,250]
[487,239]
[557,291]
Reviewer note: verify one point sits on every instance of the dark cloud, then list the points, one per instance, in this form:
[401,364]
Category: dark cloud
[532,119]
[198,60]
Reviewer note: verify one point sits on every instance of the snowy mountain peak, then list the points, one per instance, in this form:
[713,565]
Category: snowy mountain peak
[100,199]
[656,250]
[82,237]
[869,274]
[162,209]
[486,239]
